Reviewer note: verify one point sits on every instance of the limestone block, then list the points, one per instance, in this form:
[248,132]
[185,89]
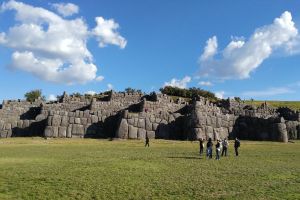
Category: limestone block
[83,121]
[7,126]
[49,121]
[56,120]
[148,125]
[219,122]
[72,120]
[14,124]
[69,131]
[77,129]
[89,120]
[25,123]
[133,132]
[209,132]
[95,119]
[77,120]
[141,123]
[62,131]
[64,121]
[130,121]
[123,129]
[40,117]
[158,120]
[208,121]
[2,125]
[49,131]
[80,114]
[3,133]
[151,134]
[9,133]
[19,125]
[200,133]
[141,133]
[86,113]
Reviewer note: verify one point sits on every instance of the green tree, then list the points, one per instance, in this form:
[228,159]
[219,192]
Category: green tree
[33,95]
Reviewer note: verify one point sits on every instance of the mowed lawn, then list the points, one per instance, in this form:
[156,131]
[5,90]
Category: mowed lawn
[34,168]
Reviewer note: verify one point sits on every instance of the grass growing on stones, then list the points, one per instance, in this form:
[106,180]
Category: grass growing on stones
[34,168]
[294,105]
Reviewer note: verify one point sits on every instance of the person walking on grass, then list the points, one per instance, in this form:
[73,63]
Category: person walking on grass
[225,145]
[147,141]
[237,145]
[218,149]
[201,145]
[209,147]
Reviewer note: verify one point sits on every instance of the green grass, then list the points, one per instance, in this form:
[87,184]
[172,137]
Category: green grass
[34,168]
[294,105]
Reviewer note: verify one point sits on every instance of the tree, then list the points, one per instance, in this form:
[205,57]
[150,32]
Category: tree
[238,99]
[33,95]
[131,90]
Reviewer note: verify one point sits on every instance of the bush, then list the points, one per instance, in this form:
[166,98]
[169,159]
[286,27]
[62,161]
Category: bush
[33,95]
[188,93]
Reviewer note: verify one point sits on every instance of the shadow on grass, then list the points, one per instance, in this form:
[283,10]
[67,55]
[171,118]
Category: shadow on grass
[185,157]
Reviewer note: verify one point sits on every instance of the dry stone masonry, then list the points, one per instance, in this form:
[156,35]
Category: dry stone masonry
[135,116]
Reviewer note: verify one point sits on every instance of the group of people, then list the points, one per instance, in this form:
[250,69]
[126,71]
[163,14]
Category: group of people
[221,145]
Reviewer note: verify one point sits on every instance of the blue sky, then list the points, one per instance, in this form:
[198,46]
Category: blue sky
[148,44]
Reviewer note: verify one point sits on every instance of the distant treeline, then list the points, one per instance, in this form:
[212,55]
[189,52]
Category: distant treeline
[188,93]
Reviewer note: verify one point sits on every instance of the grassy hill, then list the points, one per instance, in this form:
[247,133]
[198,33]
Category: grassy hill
[295,105]
[99,169]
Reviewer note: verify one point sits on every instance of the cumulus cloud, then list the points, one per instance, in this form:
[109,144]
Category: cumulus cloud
[49,46]
[106,33]
[91,92]
[110,86]
[241,57]
[205,83]
[66,9]
[220,94]
[52,97]
[268,92]
[179,83]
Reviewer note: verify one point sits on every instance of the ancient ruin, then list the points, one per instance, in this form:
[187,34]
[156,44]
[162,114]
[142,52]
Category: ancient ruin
[133,116]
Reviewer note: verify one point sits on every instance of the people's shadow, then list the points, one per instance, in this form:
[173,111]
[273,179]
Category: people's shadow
[185,157]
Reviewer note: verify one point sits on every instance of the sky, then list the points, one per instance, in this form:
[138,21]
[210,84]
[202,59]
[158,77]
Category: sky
[249,49]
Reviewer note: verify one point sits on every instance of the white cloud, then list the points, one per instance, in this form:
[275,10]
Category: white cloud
[205,83]
[99,78]
[268,92]
[48,46]
[210,49]
[106,33]
[52,97]
[220,94]
[241,57]
[91,93]
[66,9]
[179,83]
[109,86]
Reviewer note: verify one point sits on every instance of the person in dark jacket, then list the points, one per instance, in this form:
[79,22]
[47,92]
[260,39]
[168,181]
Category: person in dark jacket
[147,141]
[218,149]
[209,147]
[201,145]
[237,144]
[225,147]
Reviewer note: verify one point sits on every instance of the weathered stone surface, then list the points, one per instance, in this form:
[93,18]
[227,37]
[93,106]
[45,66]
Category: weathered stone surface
[133,132]
[64,121]
[141,133]
[69,131]
[72,120]
[154,126]
[200,133]
[77,129]
[84,121]
[122,131]
[77,120]
[51,131]
[209,132]
[151,134]
[282,132]
[141,123]
[130,121]
[56,120]
[148,125]
[40,117]
[62,131]
[94,118]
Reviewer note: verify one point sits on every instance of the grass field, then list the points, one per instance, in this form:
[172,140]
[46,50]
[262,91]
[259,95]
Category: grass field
[294,105]
[34,168]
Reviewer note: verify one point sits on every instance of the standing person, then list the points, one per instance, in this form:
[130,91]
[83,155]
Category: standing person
[209,147]
[237,144]
[201,146]
[147,141]
[218,149]
[225,147]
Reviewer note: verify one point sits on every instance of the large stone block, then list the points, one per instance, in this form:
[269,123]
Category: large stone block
[77,120]
[123,129]
[56,120]
[154,126]
[77,129]
[148,125]
[69,131]
[95,119]
[141,123]
[72,120]
[151,134]
[130,121]
[83,121]
[51,131]
[141,133]
[62,131]
[133,132]
[64,121]
[209,132]
[200,133]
